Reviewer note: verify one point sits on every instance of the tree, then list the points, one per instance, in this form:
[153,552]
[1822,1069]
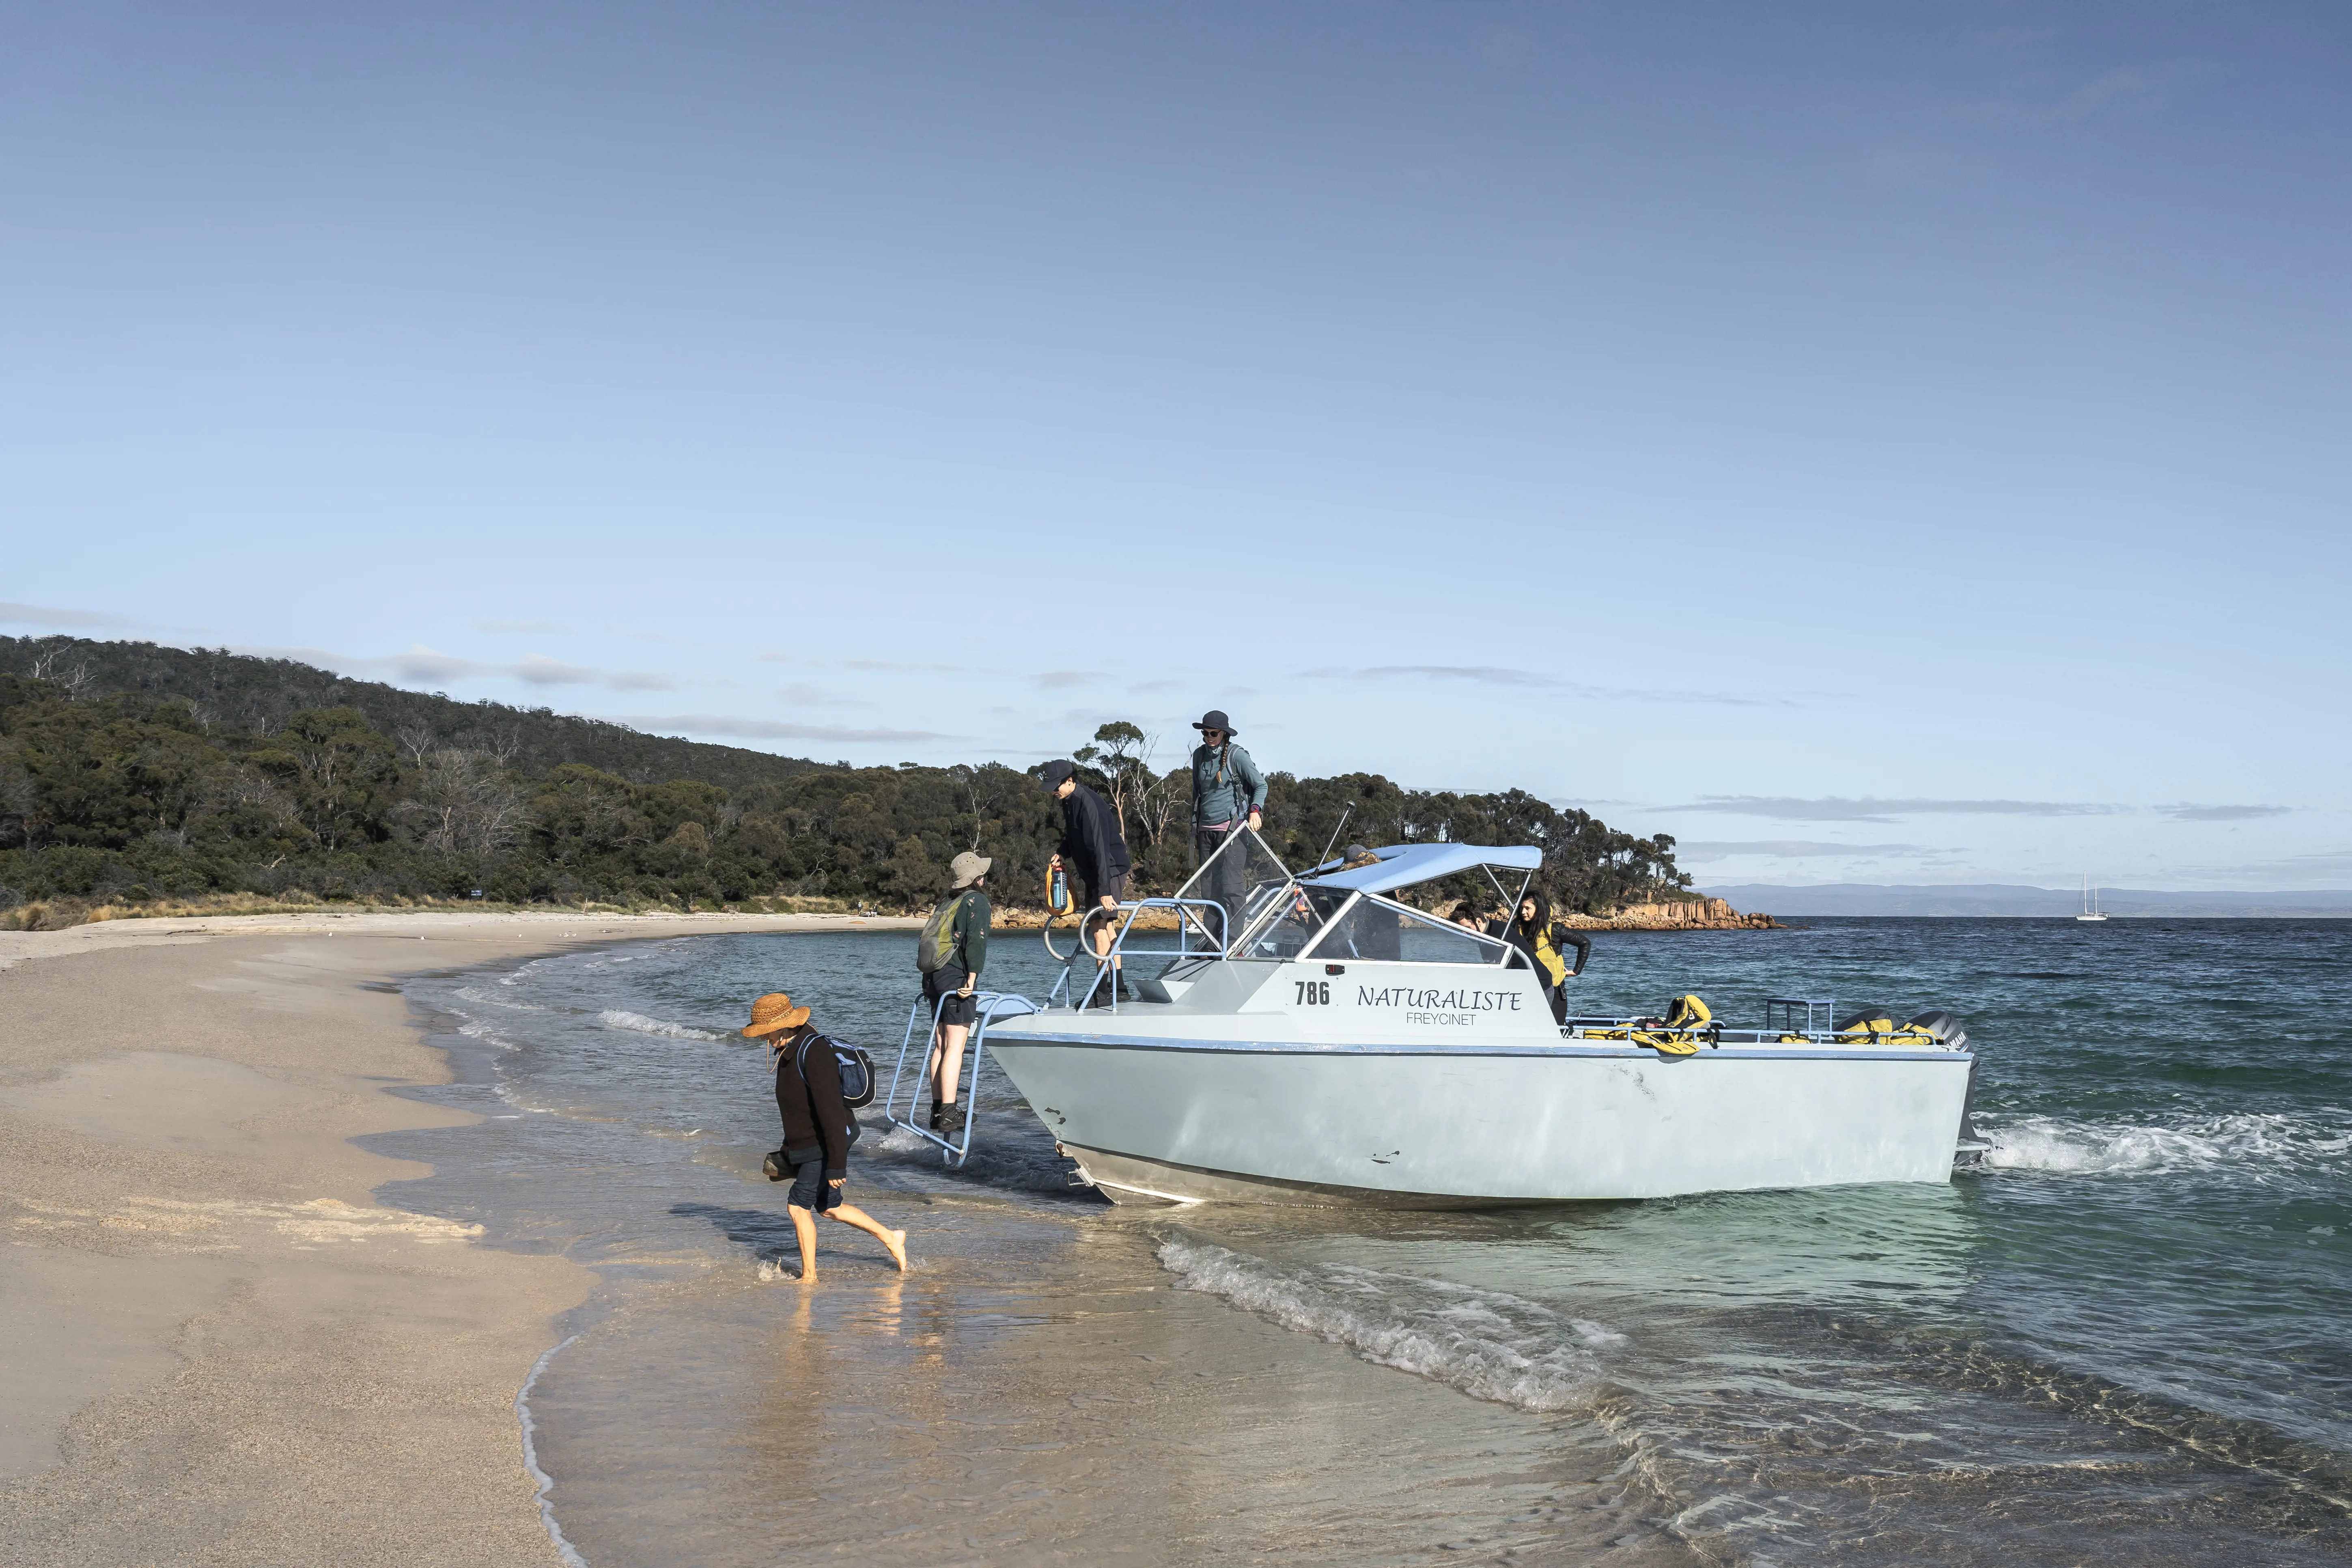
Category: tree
[338,769]
[465,805]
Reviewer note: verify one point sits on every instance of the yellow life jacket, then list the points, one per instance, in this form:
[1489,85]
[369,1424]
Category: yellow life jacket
[1555,967]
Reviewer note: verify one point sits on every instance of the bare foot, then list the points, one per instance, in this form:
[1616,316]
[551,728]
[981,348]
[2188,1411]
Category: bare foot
[808,1274]
[895,1240]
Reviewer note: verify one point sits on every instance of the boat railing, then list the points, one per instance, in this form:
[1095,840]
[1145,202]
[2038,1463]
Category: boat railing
[1191,918]
[1781,1029]
[1780,1015]
[989,1005]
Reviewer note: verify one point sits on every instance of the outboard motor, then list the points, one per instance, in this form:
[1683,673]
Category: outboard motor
[1947,1029]
[1944,1026]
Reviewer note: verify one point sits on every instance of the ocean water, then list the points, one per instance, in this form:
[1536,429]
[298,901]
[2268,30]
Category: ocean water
[2126,1337]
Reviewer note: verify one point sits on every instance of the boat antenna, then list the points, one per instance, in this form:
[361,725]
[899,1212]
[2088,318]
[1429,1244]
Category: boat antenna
[1325,857]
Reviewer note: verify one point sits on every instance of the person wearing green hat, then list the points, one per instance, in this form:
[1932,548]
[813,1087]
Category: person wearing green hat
[1228,792]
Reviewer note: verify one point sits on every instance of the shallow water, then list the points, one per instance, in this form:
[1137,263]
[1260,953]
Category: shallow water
[2132,1321]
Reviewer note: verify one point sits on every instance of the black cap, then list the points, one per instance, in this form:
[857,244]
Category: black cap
[1214,719]
[1058,770]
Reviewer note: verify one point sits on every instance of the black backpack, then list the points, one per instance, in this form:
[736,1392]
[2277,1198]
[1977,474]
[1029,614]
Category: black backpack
[856,1067]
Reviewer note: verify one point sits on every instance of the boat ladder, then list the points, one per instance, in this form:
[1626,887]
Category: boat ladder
[991,1006]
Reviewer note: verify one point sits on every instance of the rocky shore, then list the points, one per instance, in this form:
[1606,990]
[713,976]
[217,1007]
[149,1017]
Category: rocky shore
[1683,914]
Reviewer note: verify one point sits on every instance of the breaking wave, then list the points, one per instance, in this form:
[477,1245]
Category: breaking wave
[1484,1344]
[481,1029]
[642,1025]
[2050,1143]
[476,995]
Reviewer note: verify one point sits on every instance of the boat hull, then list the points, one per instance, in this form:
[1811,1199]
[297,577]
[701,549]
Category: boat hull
[1468,1127]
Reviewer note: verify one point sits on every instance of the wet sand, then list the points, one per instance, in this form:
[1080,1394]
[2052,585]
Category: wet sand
[1037,1391]
[218,1348]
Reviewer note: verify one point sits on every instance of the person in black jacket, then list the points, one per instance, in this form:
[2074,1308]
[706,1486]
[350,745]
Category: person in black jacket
[1094,852]
[1543,942]
[818,1129]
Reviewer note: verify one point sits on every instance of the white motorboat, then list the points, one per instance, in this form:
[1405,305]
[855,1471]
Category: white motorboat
[1346,1046]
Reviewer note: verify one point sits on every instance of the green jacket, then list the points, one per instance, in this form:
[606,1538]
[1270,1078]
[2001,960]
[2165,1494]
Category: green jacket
[969,949]
[1225,785]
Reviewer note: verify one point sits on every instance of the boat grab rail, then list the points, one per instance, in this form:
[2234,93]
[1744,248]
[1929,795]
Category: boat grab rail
[991,1006]
[1061,994]
[1714,1034]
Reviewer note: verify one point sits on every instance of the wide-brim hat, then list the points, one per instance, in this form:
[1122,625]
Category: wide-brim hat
[772,1014]
[1214,719]
[968,868]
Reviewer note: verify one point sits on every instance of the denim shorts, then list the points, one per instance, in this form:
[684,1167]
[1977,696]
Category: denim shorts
[811,1191]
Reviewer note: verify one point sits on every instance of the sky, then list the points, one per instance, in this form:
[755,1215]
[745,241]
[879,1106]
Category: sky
[1888,444]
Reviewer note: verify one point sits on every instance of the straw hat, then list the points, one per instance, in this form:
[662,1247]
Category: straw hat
[772,1014]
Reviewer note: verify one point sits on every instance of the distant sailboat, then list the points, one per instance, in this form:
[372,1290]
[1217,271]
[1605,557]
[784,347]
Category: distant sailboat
[2089,902]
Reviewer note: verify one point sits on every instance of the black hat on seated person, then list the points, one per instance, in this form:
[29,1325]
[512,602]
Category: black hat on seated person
[1214,719]
[1058,770]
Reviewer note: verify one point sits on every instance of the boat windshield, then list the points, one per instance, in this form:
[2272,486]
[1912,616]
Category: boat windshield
[1290,921]
[1375,930]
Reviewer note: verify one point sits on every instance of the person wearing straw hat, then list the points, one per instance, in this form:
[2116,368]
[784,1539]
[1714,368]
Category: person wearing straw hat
[949,953]
[818,1129]
[1228,792]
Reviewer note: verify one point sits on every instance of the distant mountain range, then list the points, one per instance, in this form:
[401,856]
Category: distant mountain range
[2003,899]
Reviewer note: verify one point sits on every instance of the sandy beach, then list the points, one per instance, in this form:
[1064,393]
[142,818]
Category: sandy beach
[219,1348]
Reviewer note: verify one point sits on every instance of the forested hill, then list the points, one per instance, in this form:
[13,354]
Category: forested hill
[241,693]
[136,775]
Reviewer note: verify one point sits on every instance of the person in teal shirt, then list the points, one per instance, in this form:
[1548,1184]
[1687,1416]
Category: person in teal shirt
[1228,792]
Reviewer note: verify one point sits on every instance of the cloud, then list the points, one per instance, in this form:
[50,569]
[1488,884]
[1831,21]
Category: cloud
[1532,681]
[1835,809]
[872,666]
[761,728]
[422,666]
[536,669]
[1152,688]
[1063,680]
[1698,851]
[2118,88]
[520,627]
[42,615]
[802,694]
[2223,813]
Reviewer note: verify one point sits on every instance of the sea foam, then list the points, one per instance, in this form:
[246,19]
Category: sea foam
[642,1025]
[2049,1143]
[1486,1343]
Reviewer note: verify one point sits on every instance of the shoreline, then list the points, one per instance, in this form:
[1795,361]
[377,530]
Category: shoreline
[221,1343]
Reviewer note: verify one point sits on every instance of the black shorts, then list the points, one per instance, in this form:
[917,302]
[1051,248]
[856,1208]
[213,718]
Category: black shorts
[939,988]
[811,1191]
[1090,896]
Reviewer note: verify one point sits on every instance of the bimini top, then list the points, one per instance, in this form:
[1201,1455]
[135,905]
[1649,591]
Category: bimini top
[1402,865]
